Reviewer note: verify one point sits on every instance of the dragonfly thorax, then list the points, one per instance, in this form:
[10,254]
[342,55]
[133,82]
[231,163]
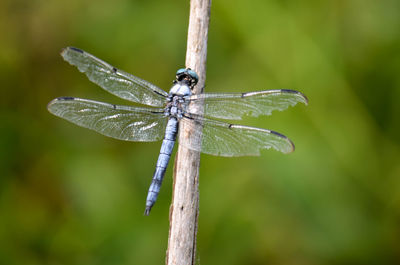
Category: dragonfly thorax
[181,89]
[176,106]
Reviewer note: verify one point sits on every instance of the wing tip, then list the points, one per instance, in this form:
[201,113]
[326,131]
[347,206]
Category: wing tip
[67,49]
[305,99]
[292,146]
[65,98]
[51,103]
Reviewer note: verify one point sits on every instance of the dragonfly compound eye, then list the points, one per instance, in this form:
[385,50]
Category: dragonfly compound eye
[187,74]
[193,75]
[180,72]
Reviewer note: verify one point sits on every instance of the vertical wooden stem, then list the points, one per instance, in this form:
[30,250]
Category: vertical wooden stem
[184,209]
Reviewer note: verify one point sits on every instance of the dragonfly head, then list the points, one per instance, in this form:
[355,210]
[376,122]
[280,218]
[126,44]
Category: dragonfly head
[187,76]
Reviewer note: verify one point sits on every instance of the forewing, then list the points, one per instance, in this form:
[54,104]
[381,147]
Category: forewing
[233,106]
[115,81]
[224,139]
[120,122]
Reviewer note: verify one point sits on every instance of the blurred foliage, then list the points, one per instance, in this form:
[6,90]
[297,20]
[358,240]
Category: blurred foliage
[71,196]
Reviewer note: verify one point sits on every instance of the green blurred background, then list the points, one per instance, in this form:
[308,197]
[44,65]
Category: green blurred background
[71,196]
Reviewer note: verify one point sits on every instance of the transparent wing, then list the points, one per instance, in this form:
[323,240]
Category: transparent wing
[120,122]
[115,81]
[224,139]
[235,105]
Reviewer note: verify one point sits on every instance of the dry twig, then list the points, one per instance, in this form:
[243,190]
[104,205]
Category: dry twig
[185,201]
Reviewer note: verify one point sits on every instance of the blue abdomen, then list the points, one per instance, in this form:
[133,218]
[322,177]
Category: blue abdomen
[162,162]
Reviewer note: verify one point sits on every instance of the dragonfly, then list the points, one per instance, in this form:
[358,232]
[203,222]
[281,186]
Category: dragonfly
[169,111]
